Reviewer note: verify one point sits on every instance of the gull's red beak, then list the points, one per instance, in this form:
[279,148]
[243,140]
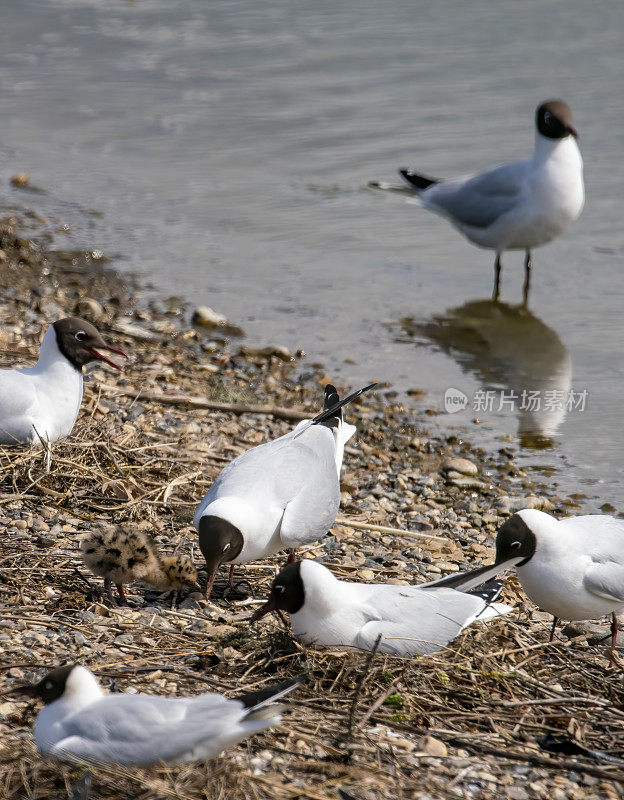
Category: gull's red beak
[572,131]
[102,357]
[29,690]
[265,609]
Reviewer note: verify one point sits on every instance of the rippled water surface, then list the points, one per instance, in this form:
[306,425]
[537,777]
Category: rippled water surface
[228,148]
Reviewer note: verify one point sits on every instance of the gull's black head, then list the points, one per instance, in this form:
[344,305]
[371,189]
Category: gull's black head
[554,120]
[287,592]
[80,342]
[515,540]
[220,542]
[50,687]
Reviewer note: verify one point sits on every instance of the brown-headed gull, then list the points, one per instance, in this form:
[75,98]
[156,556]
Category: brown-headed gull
[80,722]
[515,206]
[40,404]
[279,495]
[572,568]
[410,620]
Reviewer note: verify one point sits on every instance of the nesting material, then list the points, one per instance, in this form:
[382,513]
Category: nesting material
[121,554]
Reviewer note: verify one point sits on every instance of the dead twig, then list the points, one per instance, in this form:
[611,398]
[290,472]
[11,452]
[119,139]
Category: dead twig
[214,405]
[369,526]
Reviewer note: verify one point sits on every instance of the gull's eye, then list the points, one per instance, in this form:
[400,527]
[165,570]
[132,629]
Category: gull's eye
[80,336]
[547,117]
[515,545]
[48,685]
[226,546]
[280,589]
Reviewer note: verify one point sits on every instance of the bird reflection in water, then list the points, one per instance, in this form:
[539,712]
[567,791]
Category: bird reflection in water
[508,348]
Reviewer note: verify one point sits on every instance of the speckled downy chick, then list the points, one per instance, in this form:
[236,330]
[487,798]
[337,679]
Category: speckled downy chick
[121,554]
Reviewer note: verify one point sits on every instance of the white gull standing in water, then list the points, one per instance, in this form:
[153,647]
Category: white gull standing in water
[515,206]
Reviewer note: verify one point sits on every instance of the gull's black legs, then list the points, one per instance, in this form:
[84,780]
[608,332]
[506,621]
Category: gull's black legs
[552,630]
[614,632]
[527,278]
[497,273]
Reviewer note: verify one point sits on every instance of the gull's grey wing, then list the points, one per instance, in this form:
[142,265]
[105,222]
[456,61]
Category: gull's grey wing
[315,488]
[415,622]
[606,580]
[296,474]
[477,200]
[142,730]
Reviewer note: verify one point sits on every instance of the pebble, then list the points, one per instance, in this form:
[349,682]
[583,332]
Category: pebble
[89,308]
[434,747]
[279,351]
[190,604]
[20,180]
[8,709]
[466,482]
[462,465]
[130,328]
[511,504]
[208,318]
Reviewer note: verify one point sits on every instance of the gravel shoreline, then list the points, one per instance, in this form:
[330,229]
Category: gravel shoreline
[466,722]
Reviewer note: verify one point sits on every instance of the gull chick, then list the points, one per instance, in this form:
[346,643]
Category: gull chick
[282,494]
[515,206]
[122,555]
[81,722]
[411,620]
[41,403]
[572,568]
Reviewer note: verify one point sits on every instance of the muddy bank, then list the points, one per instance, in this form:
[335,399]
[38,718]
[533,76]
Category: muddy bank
[471,721]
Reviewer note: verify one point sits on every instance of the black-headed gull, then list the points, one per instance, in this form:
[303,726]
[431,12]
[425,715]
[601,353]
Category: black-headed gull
[332,613]
[122,554]
[282,494]
[81,722]
[572,568]
[515,206]
[40,404]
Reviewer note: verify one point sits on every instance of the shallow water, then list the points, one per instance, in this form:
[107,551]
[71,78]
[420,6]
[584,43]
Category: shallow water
[227,148]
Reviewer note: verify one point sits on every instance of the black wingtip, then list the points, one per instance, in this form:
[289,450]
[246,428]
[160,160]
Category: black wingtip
[331,396]
[464,581]
[327,413]
[488,591]
[253,700]
[416,180]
